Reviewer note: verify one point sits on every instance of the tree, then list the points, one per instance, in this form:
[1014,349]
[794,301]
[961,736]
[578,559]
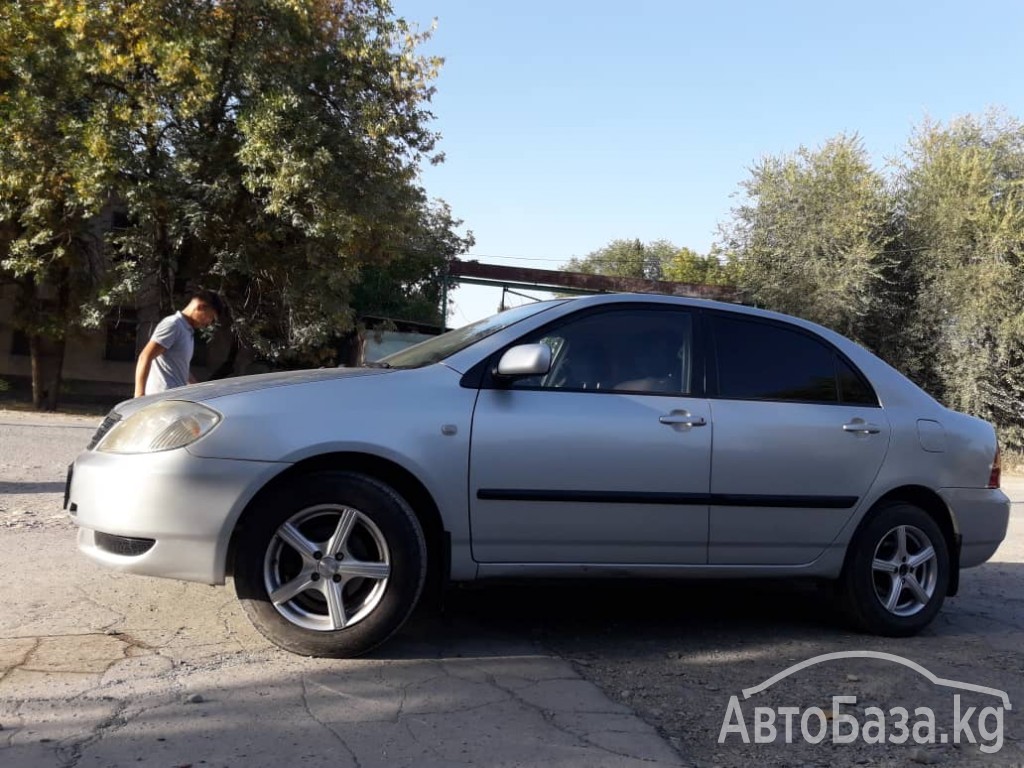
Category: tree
[625,258]
[812,237]
[270,147]
[962,219]
[688,266]
[928,274]
[410,286]
[657,260]
[51,186]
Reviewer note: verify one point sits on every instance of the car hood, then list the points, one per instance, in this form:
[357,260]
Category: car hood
[211,390]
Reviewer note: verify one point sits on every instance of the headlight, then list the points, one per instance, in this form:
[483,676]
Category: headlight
[162,426]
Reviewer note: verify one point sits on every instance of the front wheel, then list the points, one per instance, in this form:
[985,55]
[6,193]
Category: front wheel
[330,565]
[897,572]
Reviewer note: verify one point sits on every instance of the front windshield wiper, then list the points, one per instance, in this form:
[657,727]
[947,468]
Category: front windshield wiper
[377,364]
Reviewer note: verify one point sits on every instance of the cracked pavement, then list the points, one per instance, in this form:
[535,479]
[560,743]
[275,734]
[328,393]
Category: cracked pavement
[105,669]
[99,668]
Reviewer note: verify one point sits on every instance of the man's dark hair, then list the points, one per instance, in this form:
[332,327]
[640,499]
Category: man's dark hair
[211,299]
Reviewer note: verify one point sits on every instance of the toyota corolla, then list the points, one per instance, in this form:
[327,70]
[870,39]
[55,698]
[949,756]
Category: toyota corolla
[606,436]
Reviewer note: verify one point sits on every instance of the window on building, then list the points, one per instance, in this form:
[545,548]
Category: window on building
[122,332]
[19,343]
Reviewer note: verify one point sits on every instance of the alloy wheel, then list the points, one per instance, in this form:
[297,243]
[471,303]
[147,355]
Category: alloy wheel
[904,570]
[327,567]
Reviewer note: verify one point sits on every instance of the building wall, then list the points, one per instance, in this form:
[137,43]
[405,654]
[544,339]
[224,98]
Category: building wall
[87,370]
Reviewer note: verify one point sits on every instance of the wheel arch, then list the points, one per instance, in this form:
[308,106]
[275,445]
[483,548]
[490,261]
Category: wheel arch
[933,504]
[404,482]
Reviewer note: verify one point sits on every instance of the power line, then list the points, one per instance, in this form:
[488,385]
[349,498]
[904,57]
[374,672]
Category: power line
[512,258]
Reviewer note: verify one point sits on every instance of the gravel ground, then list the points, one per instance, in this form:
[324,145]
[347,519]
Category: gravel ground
[677,668]
[35,450]
[675,653]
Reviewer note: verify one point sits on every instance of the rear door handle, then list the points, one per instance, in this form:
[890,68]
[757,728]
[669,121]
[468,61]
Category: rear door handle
[682,420]
[862,428]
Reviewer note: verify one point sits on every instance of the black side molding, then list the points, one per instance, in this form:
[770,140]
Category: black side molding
[679,499]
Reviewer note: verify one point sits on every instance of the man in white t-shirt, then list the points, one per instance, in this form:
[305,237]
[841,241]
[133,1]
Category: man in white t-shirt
[166,360]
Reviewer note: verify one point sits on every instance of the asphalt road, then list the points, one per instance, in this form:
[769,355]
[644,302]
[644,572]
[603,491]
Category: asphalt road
[103,669]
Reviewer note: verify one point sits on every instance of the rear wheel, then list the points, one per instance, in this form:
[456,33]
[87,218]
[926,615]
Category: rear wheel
[897,572]
[330,565]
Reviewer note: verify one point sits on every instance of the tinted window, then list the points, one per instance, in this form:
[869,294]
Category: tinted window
[626,350]
[852,387]
[761,361]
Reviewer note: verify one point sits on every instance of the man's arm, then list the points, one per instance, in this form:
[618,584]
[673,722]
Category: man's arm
[150,352]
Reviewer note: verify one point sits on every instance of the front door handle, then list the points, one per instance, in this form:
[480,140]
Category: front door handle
[859,427]
[682,420]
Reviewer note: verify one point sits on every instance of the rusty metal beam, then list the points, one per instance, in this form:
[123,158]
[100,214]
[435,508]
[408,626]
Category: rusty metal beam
[578,282]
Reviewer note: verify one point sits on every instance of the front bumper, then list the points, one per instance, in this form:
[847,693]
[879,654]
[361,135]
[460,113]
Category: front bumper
[982,515]
[187,506]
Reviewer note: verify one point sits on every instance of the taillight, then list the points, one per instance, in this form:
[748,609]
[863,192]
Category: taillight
[997,466]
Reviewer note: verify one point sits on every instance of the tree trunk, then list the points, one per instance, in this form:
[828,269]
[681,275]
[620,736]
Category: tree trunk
[53,391]
[37,373]
[63,301]
[26,308]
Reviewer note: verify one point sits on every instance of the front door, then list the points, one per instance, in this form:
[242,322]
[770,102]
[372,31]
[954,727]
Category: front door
[606,459]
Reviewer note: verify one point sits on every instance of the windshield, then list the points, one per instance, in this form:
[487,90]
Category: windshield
[438,348]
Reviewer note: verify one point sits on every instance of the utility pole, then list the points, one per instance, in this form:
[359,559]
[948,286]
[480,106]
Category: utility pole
[444,296]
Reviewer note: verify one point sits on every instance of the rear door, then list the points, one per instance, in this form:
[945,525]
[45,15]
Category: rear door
[799,439]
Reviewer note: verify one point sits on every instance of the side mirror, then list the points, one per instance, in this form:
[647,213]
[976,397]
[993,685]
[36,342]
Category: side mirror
[525,360]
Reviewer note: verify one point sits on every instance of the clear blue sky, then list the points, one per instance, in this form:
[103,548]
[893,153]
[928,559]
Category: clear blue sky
[568,123]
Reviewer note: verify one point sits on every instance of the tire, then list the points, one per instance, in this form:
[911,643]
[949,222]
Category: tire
[345,557]
[896,573]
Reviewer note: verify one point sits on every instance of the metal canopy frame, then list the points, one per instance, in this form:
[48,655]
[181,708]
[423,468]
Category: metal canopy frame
[498,276]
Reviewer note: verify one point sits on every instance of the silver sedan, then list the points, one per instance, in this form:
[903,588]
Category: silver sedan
[607,436]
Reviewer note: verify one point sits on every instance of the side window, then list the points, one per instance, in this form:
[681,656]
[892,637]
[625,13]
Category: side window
[762,361]
[624,350]
[853,390]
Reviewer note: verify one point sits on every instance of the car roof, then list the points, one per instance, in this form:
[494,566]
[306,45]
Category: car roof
[579,302]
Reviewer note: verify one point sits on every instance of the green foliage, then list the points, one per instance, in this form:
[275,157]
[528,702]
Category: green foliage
[926,270]
[49,185]
[657,260]
[624,258]
[963,215]
[812,236]
[688,266]
[409,287]
[270,148]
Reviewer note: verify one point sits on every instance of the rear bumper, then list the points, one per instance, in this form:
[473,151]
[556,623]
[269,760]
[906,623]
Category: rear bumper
[982,515]
[187,506]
